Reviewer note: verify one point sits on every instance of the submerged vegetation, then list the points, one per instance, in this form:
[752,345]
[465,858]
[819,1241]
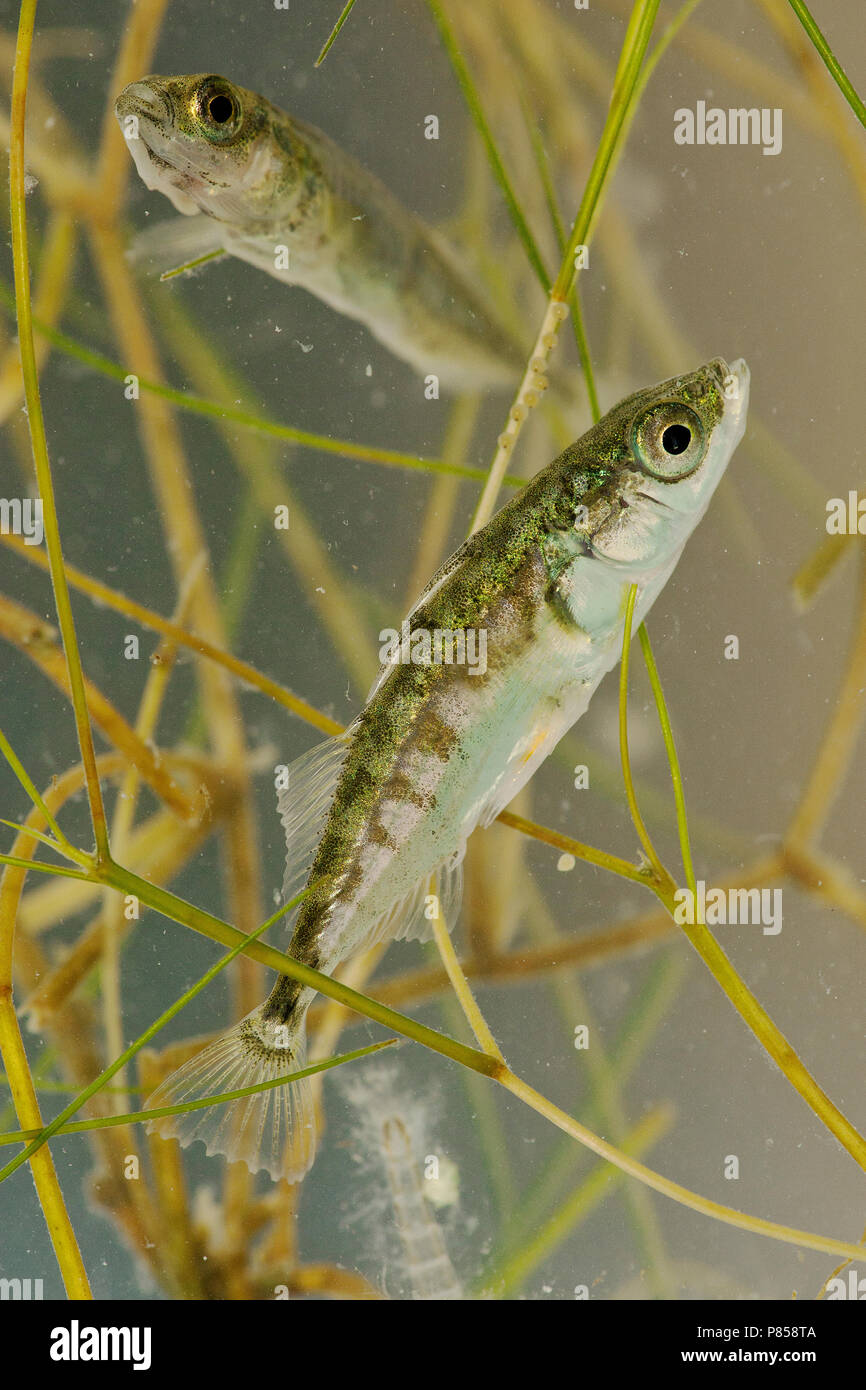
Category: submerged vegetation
[175,782]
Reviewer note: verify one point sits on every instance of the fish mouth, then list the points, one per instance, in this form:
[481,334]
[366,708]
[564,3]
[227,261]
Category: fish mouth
[650,497]
[736,391]
[740,371]
[733,383]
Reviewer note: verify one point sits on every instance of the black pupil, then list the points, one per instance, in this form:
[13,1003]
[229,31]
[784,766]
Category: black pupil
[220,108]
[676,439]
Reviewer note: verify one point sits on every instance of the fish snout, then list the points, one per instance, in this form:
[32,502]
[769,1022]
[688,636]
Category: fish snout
[142,100]
[739,370]
[733,381]
[719,368]
[736,388]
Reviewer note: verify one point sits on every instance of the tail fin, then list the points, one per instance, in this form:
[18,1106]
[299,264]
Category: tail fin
[273,1129]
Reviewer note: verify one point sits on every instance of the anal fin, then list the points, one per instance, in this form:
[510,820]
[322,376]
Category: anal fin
[412,917]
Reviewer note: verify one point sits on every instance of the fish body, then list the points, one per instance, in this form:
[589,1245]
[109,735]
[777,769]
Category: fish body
[377,819]
[280,194]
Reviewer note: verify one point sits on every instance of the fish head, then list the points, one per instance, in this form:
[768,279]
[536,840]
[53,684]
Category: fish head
[641,479]
[205,143]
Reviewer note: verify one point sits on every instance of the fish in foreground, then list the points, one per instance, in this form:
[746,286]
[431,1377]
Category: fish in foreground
[377,818]
[263,186]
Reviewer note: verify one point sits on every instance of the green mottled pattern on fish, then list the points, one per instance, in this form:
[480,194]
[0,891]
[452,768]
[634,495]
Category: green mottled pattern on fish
[375,816]
[253,178]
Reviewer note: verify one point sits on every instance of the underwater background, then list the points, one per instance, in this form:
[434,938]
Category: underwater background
[698,251]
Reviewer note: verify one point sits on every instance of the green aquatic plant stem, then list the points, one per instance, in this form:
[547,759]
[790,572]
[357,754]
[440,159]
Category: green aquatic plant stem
[829,59]
[683,1195]
[629,1165]
[649,67]
[467,86]
[36,422]
[120,1062]
[459,983]
[59,846]
[192,265]
[59,870]
[125,881]
[53,1206]
[23,777]
[599,857]
[673,758]
[560,1169]
[604,1109]
[344,15]
[772,1039]
[57,841]
[506,1278]
[546,178]
[660,873]
[48,1189]
[584,353]
[46,1063]
[622,101]
[162,1111]
[625,94]
[177,910]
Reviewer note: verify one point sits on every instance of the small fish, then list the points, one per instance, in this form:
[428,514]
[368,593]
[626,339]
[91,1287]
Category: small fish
[377,819]
[265,187]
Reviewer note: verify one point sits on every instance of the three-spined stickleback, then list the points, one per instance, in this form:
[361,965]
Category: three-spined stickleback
[278,193]
[377,819]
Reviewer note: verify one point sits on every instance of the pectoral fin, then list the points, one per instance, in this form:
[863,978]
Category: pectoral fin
[178,242]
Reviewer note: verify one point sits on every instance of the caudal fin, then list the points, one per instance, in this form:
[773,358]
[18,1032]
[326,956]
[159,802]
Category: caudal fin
[272,1129]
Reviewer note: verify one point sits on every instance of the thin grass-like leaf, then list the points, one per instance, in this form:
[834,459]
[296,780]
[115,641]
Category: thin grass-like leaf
[344,15]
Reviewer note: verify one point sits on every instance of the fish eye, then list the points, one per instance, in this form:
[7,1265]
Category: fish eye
[218,108]
[676,439]
[669,441]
